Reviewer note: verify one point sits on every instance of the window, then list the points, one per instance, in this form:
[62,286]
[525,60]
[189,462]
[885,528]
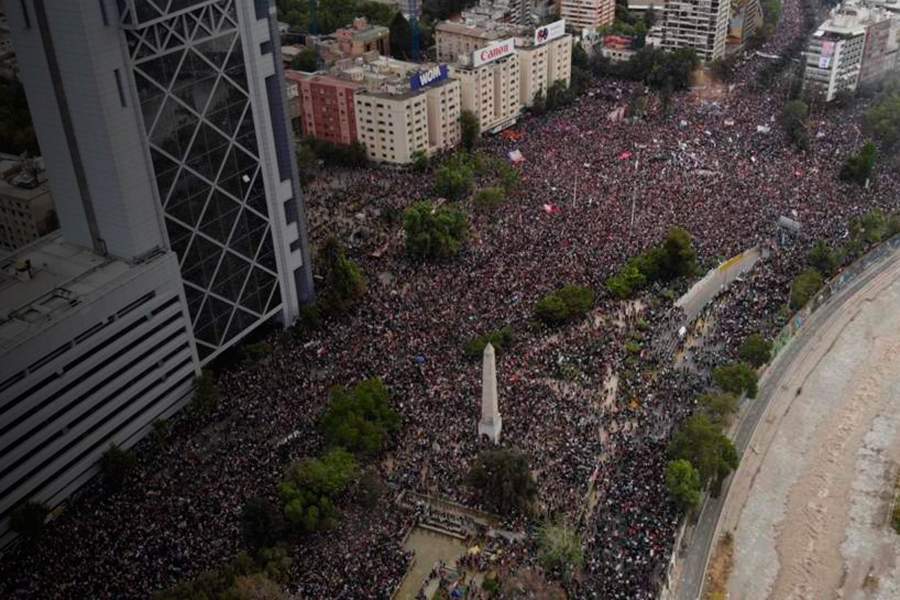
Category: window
[119,87]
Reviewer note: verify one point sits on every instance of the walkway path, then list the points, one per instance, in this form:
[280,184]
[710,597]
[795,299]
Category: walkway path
[795,367]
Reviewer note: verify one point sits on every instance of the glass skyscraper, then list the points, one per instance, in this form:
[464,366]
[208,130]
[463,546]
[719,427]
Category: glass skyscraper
[200,83]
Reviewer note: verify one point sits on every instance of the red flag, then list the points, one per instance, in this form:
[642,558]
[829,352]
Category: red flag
[625,155]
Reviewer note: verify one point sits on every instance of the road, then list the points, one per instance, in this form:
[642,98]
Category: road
[690,582]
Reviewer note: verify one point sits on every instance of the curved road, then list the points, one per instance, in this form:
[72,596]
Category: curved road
[882,265]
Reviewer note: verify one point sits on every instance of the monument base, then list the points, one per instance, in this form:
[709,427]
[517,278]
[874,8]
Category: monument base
[491,429]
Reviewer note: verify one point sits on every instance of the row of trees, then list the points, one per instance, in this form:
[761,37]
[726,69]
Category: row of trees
[333,14]
[674,258]
[659,69]
[700,453]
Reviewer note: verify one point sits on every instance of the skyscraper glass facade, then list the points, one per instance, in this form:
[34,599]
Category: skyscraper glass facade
[189,68]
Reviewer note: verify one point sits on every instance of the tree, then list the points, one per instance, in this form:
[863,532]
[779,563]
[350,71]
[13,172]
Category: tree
[756,350]
[700,442]
[504,481]
[793,117]
[858,167]
[454,180]
[310,488]
[261,523]
[805,286]
[255,587]
[565,304]
[822,258]
[489,198]
[307,163]
[117,465]
[871,227]
[344,284]
[360,419]
[736,378]
[528,584]
[28,519]
[500,339]
[679,258]
[883,119]
[469,129]
[683,483]
[307,61]
[559,550]
[401,36]
[434,231]
[206,395]
[419,161]
[719,407]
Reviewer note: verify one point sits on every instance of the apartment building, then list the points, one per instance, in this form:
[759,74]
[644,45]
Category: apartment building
[544,59]
[405,109]
[698,24]
[490,85]
[325,106]
[588,14]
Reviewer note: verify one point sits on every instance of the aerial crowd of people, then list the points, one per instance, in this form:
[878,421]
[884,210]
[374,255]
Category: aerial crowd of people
[718,164]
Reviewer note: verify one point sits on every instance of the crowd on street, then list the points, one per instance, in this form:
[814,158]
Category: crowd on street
[573,399]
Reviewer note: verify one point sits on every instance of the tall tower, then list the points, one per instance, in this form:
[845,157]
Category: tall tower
[163,124]
[491,423]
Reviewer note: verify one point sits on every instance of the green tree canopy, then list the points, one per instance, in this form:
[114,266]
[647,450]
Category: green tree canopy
[455,178]
[883,119]
[683,483]
[117,465]
[470,129]
[559,550]
[504,480]
[793,117]
[344,284]
[28,519]
[805,286]
[361,418]
[307,61]
[501,339]
[261,523]
[719,407]
[679,259]
[564,305]
[206,395]
[736,378]
[489,198]
[822,258]
[234,580]
[756,350]
[700,442]
[859,166]
[310,488]
[434,231]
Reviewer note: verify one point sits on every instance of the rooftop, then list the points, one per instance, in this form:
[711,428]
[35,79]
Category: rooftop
[62,276]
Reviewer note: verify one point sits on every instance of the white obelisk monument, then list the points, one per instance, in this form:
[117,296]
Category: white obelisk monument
[490,424]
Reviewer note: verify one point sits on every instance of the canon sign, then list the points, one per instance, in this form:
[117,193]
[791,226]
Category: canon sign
[493,52]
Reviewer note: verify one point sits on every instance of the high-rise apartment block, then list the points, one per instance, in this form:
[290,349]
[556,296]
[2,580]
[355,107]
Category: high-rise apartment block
[165,138]
[698,24]
[490,85]
[856,45]
[588,14]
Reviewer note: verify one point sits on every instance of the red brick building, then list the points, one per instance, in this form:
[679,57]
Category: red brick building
[326,107]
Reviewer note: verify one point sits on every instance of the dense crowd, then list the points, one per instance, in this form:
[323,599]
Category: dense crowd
[597,447]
